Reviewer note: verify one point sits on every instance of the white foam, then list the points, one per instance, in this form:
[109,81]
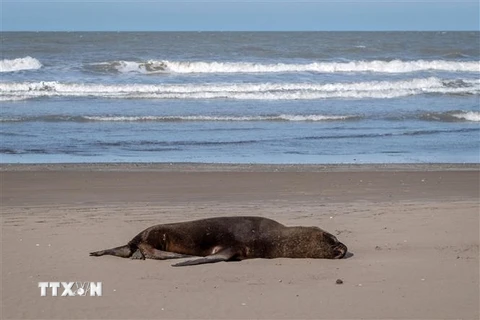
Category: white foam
[380,66]
[314,117]
[13,98]
[242,91]
[281,117]
[469,116]
[27,63]
[148,67]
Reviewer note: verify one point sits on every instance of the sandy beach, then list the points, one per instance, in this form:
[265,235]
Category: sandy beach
[412,233]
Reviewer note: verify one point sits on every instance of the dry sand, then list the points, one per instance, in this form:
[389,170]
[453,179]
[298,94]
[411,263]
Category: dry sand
[413,231]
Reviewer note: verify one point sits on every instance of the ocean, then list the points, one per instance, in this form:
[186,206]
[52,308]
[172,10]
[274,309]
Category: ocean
[240,97]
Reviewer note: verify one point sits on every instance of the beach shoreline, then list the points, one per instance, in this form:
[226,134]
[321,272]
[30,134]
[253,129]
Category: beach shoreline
[412,231]
[240,167]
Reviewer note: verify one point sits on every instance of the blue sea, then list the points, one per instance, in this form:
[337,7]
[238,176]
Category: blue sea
[240,97]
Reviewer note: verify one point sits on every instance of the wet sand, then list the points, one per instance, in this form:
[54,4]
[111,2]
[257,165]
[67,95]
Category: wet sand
[412,231]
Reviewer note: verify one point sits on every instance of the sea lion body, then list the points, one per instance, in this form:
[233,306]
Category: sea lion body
[229,238]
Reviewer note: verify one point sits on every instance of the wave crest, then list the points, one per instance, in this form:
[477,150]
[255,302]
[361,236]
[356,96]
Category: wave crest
[281,117]
[469,116]
[453,116]
[380,66]
[243,91]
[192,118]
[27,63]
[449,116]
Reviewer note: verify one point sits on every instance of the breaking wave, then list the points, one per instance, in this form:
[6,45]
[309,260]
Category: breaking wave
[280,117]
[453,116]
[469,116]
[242,91]
[449,116]
[27,63]
[380,66]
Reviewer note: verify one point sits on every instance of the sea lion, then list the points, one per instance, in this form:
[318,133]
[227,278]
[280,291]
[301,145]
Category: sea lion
[227,239]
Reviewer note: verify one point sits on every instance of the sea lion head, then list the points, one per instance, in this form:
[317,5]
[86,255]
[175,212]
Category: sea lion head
[329,247]
[333,248]
[313,242]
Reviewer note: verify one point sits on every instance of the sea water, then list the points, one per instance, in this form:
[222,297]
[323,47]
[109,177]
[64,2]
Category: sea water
[240,97]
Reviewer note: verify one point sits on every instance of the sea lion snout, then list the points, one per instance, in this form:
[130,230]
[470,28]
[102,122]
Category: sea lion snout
[332,248]
[339,251]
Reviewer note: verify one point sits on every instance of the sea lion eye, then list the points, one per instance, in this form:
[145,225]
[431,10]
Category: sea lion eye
[331,239]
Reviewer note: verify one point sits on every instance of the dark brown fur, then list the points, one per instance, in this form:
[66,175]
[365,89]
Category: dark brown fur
[229,238]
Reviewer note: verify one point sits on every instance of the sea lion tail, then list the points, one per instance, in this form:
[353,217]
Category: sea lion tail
[123,251]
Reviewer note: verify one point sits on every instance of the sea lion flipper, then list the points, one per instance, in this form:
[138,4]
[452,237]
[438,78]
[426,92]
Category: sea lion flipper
[223,255]
[146,251]
[137,255]
[123,251]
[163,255]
